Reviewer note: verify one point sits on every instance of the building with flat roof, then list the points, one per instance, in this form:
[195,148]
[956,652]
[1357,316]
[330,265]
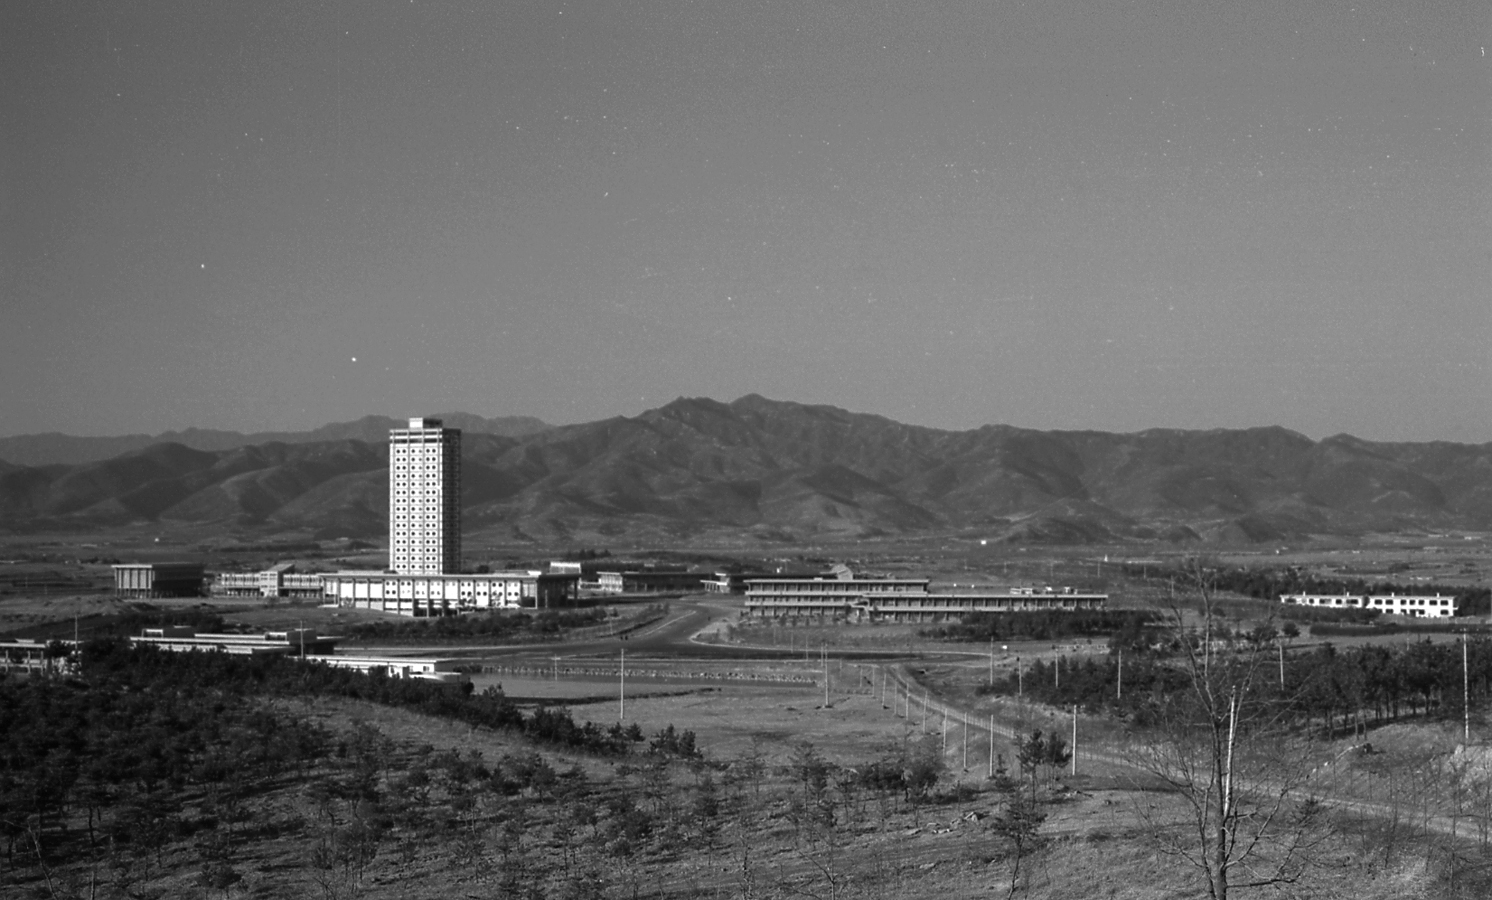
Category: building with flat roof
[297,642]
[445,595]
[425,498]
[277,581]
[843,595]
[169,579]
[647,581]
[1418,606]
[293,642]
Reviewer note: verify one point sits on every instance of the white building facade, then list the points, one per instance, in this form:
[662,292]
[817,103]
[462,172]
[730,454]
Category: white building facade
[446,595]
[1420,606]
[425,499]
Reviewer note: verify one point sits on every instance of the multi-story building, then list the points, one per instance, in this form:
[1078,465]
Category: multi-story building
[1429,606]
[277,581]
[446,595]
[843,595]
[425,499]
[1420,606]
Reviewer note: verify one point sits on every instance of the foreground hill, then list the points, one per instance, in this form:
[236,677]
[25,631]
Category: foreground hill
[783,471]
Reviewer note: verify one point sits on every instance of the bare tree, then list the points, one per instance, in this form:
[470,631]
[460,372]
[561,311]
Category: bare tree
[1224,751]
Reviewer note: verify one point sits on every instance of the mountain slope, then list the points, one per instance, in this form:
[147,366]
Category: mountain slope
[54,448]
[783,470]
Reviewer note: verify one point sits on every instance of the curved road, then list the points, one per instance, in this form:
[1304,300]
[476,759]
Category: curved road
[671,638]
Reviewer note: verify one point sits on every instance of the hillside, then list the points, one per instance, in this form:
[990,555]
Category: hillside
[781,471]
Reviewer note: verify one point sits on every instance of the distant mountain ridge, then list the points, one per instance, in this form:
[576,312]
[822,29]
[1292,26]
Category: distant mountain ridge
[52,447]
[782,471]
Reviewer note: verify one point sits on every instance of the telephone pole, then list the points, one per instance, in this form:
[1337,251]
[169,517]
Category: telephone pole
[1074,740]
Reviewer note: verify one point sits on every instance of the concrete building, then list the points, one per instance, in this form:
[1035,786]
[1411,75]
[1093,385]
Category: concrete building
[842,595]
[173,579]
[34,657]
[648,581]
[277,581]
[1419,606]
[1427,606]
[726,582]
[1329,601]
[425,499]
[444,595]
[417,667]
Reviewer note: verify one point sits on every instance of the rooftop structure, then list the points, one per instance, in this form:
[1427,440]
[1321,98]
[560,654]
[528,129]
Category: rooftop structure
[425,498]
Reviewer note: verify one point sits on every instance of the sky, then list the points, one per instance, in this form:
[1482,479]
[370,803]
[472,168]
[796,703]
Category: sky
[1107,214]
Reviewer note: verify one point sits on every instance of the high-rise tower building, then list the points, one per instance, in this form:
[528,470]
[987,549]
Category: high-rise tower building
[425,499]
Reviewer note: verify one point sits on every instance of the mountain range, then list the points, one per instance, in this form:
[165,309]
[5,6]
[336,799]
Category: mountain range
[782,471]
[52,447]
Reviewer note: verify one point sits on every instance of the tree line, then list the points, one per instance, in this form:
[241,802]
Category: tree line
[1041,625]
[1326,685]
[1273,583]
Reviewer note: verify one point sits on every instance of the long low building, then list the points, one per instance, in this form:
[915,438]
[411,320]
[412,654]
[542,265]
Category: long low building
[843,596]
[183,638]
[37,657]
[302,642]
[648,581]
[1419,606]
[423,668]
[446,595]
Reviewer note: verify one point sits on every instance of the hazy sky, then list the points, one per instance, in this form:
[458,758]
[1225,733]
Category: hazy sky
[1056,214]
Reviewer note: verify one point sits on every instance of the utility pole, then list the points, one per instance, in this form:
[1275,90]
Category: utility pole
[991,662]
[965,719]
[1020,680]
[1465,689]
[991,746]
[824,661]
[1074,740]
[622,689]
[1121,676]
[1281,645]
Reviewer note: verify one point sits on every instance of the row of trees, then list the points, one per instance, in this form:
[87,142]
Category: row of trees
[1043,625]
[1272,583]
[1335,687]
[505,625]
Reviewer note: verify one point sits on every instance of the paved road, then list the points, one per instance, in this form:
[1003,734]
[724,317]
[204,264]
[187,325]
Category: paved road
[672,638]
